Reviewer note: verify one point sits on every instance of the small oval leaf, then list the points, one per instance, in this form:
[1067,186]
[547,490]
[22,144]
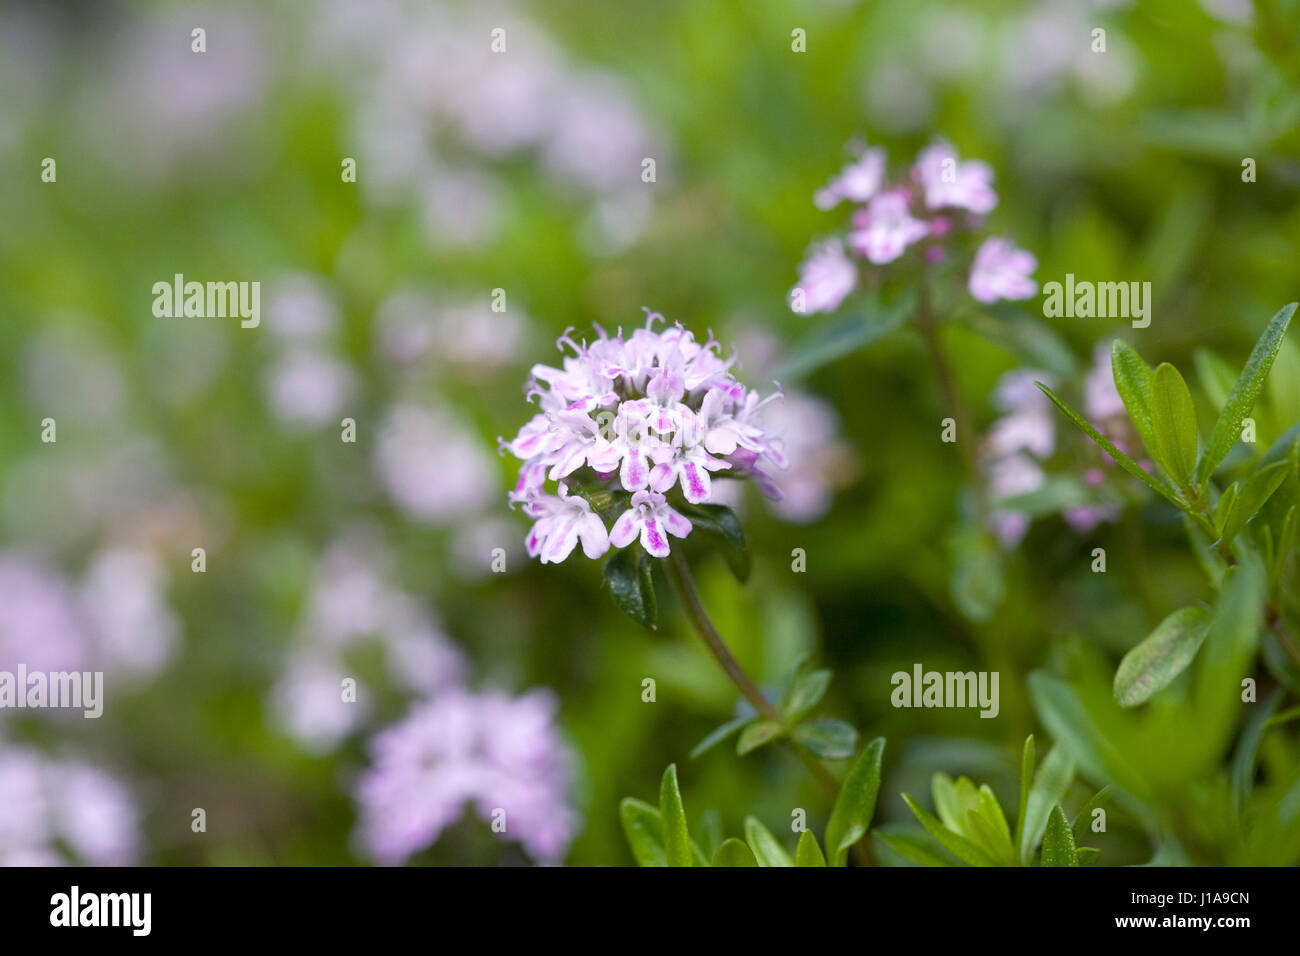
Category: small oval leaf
[757,734]
[643,828]
[828,738]
[856,804]
[766,849]
[804,693]
[628,575]
[1162,656]
[808,853]
[1058,841]
[1241,400]
[672,814]
[733,852]
[1173,426]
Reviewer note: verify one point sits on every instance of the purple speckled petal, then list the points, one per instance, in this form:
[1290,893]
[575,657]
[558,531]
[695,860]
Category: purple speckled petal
[624,529]
[652,537]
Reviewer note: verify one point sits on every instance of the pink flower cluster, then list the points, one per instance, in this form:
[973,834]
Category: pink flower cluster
[937,196]
[499,753]
[57,810]
[644,417]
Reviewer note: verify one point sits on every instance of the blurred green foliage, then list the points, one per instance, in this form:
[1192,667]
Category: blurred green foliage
[1127,168]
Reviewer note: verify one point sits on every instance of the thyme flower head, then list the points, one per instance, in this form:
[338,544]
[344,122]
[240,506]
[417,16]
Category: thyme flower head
[631,430]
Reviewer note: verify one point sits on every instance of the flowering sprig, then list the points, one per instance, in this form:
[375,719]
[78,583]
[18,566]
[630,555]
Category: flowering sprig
[629,432]
[916,242]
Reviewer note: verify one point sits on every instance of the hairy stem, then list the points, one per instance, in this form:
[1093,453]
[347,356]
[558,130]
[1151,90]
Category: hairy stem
[679,574]
[967,443]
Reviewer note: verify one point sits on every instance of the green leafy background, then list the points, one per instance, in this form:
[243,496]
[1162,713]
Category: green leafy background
[1145,185]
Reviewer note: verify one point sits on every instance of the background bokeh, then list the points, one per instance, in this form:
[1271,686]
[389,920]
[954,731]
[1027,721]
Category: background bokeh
[522,171]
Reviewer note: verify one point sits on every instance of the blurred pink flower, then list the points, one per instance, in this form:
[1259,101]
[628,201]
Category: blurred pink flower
[948,183]
[351,600]
[307,701]
[1012,475]
[1001,271]
[857,182]
[125,602]
[308,388]
[57,811]
[300,309]
[154,89]
[501,754]
[1101,399]
[432,468]
[825,278]
[885,228]
[810,430]
[1084,518]
[1028,424]
[41,625]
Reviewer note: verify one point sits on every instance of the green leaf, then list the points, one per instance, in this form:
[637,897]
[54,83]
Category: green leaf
[1228,651]
[808,853]
[1087,855]
[1121,459]
[1082,824]
[628,575]
[828,738]
[1133,382]
[842,336]
[1258,489]
[677,839]
[1068,720]
[1027,757]
[856,804]
[1241,400]
[721,527]
[988,825]
[643,827]
[710,832]
[1223,510]
[978,581]
[1216,376]
[804,693]
[1058,841]
[1203,550]
[1164,654]
[1283,448]
[1035,343]
[766,849]
[1243,762]
[757,734]
[911,847]
[1054,495]
[954,800]
[956,844]
[719,734]
[733,852]
[1050,785]
[1173,426]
